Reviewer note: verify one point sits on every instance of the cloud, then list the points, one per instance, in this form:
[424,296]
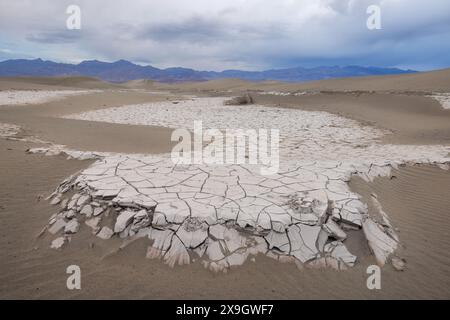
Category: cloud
[58,37]
[196,29]
[221,34]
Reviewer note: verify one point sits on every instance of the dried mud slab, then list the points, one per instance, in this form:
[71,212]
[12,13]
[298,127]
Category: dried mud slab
[225,214]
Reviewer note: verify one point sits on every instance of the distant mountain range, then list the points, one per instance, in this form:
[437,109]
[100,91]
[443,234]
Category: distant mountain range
[122,70]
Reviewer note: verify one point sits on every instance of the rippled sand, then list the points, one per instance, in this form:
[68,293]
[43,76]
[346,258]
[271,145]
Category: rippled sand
[29,269]
[415,198]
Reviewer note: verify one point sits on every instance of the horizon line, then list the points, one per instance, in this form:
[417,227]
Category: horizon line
[262,70]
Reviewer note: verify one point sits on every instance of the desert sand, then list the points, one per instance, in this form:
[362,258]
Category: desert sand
[415,197]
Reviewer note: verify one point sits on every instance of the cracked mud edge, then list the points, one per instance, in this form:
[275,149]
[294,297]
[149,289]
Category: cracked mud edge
[305,227]
[222,215]
[28,97]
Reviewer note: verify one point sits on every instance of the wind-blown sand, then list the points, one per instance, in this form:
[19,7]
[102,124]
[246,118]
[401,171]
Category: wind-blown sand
[26,269]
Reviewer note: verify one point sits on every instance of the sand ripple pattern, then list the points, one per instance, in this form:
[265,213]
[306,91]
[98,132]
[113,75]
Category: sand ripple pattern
[224,214]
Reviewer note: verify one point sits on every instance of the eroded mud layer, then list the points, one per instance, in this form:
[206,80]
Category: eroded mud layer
[443,98]
[17,97]
[223,214]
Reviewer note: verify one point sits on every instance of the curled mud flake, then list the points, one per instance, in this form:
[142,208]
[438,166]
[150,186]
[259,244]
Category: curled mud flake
[334,230]
[93,223]
[141,220]
[56,200]
[399,264]
[70,214]
[105,233]
[58,243]
[338,251]
[97,211]
[87,211]
[381,244]
[57,226]
[72,226]
[278,241]
[63,203]
[303,241]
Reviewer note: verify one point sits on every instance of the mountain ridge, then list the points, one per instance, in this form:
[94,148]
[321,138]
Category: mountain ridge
[123,70]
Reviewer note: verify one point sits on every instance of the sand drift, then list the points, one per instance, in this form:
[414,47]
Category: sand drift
[225,214]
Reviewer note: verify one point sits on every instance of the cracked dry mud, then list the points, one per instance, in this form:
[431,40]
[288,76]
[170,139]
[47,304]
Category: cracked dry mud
[443,99]
[225,214]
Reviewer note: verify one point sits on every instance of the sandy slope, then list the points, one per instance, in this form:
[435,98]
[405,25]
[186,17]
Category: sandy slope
[29,269]
[399,103]
[413,119]
[53,83]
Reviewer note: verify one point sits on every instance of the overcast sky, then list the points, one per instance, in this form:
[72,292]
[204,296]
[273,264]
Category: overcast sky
[230,34]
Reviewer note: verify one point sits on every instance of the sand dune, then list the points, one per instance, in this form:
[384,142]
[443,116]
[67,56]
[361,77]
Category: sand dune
[414,197]
[433,81]
[412,118]
[30,270]
[438,81]
[140,84]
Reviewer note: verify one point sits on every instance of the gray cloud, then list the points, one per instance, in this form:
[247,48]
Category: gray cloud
[196,28]
[249,34]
